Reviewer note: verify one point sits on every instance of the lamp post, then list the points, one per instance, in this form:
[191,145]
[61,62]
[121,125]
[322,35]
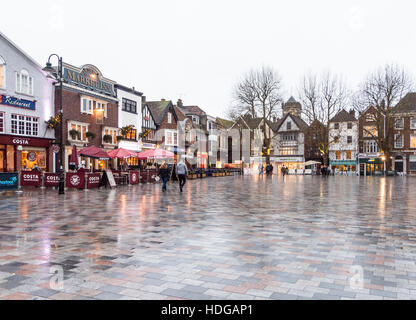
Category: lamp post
[59,75]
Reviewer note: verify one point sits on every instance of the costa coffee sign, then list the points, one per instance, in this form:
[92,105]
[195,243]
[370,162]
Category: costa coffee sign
[93,180]
[51,179]
[30,178]
[23,141]
[134,177]
[75,180]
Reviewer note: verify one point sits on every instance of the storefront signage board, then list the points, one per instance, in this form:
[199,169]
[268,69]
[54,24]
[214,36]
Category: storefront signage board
[51,179]
[93,84]
[93,180]
[18,103]
[9,181]
[110,178]
[134,177]
[30,178]
[75,180]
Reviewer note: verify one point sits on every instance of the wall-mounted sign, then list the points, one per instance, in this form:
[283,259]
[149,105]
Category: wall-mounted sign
[56,148]
[21,141]
[9,181]
[90,79]
[16,102]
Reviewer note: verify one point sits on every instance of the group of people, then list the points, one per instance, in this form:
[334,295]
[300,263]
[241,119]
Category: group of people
[165,173]
[269,169]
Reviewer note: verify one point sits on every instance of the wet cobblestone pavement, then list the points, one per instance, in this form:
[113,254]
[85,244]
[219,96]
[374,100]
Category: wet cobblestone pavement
[223,238]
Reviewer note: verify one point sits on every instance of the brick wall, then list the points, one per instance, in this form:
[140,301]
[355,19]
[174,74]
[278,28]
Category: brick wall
[71,102]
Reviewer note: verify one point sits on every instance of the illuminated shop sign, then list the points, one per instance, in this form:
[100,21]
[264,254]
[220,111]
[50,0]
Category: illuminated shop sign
[18,103]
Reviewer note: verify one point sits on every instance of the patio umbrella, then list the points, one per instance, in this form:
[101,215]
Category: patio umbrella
[122,154]
[155,154]
[73,160]
[311,162]
[94,152]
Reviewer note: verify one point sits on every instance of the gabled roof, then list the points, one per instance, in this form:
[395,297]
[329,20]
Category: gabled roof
[225,123]
[274,125]
[291,100]
[179,113]
[302,125]
[158,109]
[343,116]
[406,104]
[192,110]
[253,123]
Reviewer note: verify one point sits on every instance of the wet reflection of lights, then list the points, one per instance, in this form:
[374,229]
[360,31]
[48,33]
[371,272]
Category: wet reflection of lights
[382,198]
[24,210]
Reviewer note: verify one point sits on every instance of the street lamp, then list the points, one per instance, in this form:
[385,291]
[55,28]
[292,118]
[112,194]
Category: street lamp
[58,76]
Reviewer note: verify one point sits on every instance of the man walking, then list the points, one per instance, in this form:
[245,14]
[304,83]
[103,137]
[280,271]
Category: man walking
[181,172]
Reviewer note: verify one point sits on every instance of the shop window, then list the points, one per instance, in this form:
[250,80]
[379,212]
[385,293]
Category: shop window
[412,163]
[412,141]
[285,151]
[10,158]
[86,105]
[412,123]
[349,139]
[2,73]
[31,158]
[338,155]
[129,105]
[349,155]
[2,122]
[398,141]
[24,82]
[24,125]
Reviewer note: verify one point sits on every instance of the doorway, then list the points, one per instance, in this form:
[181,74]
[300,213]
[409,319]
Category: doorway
[398,164]
[3,164]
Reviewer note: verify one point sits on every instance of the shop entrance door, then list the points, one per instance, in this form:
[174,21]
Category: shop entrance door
[3,164]
[398,166]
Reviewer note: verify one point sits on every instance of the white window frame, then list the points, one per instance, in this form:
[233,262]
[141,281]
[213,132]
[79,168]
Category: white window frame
[401,126]
[90,105]
[24,125]
[413,123]
[110,131]
[3,73]
[19,83]
[101,105]
[2,121]
[412,135]
[170,138]
[370,146]
[398,143]
[78,124]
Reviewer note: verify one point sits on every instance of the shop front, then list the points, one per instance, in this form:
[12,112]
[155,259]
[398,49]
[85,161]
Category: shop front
[21,153]
[371,166]
[342,166]
[291,163]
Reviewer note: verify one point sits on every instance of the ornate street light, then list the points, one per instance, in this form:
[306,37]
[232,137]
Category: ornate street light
[58,76]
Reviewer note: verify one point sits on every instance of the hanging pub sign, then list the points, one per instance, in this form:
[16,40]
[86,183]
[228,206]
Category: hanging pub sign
[9,181]
[75,180]
[93,180]
[18,103]
[51,179]
[90,78]
[134,177]
[30,178]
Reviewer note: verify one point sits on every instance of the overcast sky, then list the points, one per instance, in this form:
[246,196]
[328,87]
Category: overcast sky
[197,50]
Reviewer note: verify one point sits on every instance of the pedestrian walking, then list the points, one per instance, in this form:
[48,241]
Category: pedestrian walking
[181,172]
[164,174]
[261,169]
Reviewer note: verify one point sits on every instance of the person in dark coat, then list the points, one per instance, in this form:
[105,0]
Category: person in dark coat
[164,174]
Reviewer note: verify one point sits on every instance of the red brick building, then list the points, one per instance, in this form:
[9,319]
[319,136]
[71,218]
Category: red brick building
[90,112]
[404,148]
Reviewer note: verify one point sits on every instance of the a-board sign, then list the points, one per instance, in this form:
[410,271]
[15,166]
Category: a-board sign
[110,178]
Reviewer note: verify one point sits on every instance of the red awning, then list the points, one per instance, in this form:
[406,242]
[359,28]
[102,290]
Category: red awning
[155,154]
[122,154]
[94,152]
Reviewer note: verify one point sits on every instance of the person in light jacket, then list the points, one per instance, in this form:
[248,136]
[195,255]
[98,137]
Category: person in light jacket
[181,172]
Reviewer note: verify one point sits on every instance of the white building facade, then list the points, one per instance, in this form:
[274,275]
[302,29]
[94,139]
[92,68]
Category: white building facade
[343,142]
[26,104]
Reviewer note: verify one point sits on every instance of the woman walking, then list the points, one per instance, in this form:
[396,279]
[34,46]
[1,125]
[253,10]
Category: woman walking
[164,174]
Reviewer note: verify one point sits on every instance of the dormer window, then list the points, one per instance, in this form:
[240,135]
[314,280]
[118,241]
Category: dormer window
[195,119]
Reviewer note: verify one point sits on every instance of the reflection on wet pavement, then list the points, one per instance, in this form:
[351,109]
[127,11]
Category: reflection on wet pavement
[223,238]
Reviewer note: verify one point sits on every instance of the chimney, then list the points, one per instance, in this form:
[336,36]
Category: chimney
[163,99]
[352,112]
[143,99]
[179,103]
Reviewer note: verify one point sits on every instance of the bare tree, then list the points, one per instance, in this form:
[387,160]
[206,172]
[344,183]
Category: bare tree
[322,97]
[383,89]
[259,94]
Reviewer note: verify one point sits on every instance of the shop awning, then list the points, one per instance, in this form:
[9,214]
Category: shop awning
[94,152]
[122,154]
[371,160]
[342,163]
[155,154]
